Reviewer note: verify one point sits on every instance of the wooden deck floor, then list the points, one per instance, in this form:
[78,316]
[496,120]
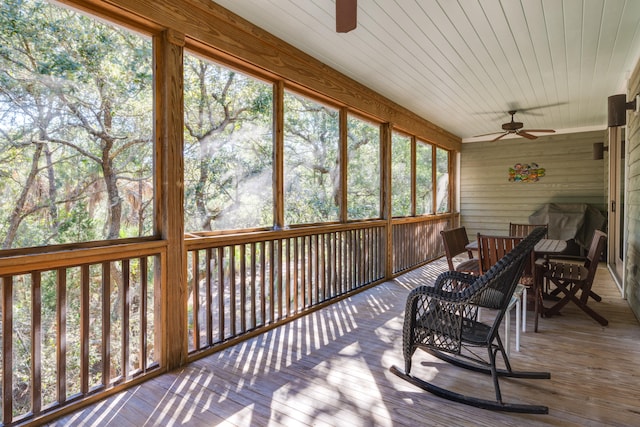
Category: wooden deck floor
[332,368]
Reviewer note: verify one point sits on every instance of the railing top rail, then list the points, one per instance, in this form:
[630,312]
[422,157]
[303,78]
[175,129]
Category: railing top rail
[200,241]
[20,264]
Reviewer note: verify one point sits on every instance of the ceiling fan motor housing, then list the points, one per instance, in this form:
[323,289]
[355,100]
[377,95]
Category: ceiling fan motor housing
[512,126]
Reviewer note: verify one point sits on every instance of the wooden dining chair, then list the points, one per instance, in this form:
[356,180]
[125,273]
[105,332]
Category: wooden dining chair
[455,240]
[490,250]
[522,230]
[571,278]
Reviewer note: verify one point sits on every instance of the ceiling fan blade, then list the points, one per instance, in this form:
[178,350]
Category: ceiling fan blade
[499,137]
[486,134]
[346,15]
[537,130]
[526,135]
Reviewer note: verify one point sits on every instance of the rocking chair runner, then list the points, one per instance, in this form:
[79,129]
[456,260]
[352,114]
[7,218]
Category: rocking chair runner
[443,320]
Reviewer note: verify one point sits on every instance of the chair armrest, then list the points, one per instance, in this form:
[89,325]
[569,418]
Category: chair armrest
[454,281]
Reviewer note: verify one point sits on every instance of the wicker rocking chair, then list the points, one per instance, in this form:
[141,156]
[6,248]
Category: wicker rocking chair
[443,320]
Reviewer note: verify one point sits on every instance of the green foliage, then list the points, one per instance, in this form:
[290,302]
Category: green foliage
[77,225]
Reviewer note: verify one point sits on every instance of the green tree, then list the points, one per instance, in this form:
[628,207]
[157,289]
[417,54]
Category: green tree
[75,120]
[312,172]
[228,148]
[363,169]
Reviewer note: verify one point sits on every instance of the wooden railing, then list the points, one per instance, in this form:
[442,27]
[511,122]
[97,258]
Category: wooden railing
[83,322]
[417,241]
[75,323]
[246,282]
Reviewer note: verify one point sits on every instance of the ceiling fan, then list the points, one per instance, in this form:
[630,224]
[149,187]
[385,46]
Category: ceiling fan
[346,15]
[516,128]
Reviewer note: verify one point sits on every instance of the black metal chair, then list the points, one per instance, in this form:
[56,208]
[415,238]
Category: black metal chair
[443,320]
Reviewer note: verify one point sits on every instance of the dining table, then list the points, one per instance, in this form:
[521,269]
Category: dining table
[545,247]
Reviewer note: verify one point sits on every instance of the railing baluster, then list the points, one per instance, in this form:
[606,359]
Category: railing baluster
[316,282]
[272,285]
[143,313]
[232,290]
[287,280]
[221,310]
[278,264]
[309,281]
[126,305]
[106,323]
[322,254]
[208,279]
[84,329]
[253,285]
[296,274]
[7,350]
[243,288]
[36,342]
[195,300]
[263,286]
[61,339]
[304,271]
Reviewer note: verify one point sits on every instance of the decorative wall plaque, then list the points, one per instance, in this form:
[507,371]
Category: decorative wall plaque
[525,172]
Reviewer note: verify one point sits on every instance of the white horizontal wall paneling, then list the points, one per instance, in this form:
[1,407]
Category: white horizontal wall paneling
[489,201]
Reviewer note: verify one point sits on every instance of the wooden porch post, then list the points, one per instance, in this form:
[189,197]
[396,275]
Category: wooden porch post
[171,300]
[278,154]
[344,153]
[414,166]
[385,195]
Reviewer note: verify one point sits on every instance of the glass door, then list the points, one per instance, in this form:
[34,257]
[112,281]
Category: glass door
[617,202]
